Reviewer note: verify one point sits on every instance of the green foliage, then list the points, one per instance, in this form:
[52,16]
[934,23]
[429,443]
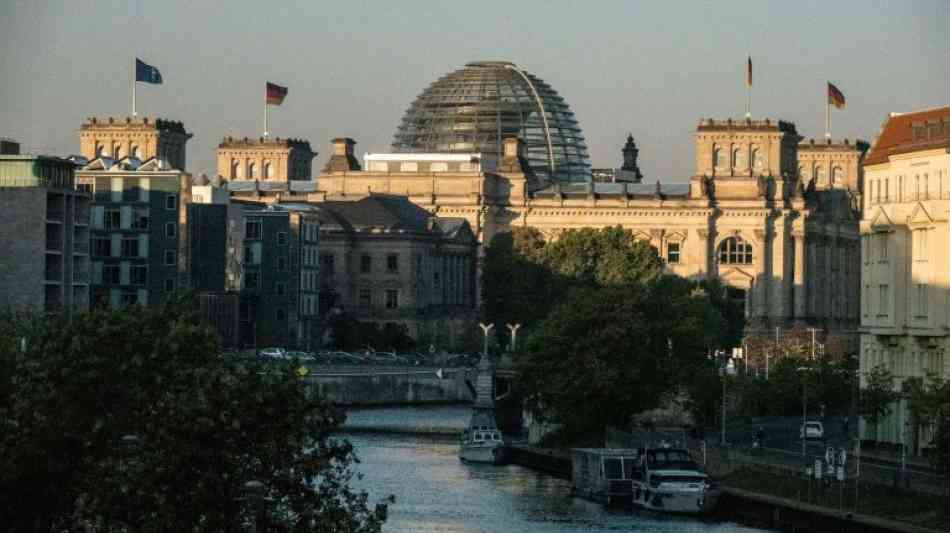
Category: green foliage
[606,353]
[516,287]
[878,395]
[131,421]
[604,257]
[929,404]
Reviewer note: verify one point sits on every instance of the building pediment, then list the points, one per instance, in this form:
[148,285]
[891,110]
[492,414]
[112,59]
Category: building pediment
[880,220]
[919,216]
[736,276]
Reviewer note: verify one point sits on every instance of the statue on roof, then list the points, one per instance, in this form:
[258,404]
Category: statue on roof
[630,154]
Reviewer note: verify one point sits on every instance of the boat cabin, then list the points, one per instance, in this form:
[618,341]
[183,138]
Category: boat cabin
[604,474]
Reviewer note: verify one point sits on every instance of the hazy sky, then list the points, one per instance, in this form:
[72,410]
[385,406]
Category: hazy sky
[652,68]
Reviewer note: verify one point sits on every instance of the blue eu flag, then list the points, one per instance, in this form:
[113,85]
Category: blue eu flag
[147,73]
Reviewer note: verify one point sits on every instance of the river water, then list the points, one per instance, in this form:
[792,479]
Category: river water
[435,492]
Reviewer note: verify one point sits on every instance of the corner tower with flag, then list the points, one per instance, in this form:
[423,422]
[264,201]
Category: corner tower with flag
[835,98]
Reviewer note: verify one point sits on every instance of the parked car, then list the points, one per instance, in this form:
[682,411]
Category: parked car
[811,430]
[303,356]
[273,353]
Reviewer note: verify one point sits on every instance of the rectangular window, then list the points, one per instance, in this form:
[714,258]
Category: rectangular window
[113,219]
[392,263]
[392,299]
[170,230]
[140,218]
[281,238]
[281,263]
[673,253]
[252,280]
[327,263]
[138,275]
[366,298]
[881,246]
[170,285]
[252,253]
[110,274]
[253,230]
[922,300]
[130,297]
[130,246]
[170,257]
[281,288]
[866,304]
[920,245]
[171,201]
[366,264]
[101,246]
[884,300]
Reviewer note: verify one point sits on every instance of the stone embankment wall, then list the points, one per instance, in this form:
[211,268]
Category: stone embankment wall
[380,385]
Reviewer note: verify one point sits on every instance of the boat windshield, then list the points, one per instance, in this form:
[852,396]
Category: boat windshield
[679,459]
[657,480]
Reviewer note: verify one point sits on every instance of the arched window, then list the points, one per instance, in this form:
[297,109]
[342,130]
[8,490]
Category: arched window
[268,171]
[251,170]
[836,176]
[235,169]
[819,175]
[116,150]
[736,158]
[735,251]
[135,152]
[717,158]
[99,150]
[756,158]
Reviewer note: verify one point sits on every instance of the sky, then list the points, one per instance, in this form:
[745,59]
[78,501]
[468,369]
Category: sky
[650,68]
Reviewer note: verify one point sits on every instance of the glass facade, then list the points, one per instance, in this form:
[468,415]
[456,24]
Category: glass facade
[472,109]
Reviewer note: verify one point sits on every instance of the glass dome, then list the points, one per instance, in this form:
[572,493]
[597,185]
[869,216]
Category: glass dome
[474,108]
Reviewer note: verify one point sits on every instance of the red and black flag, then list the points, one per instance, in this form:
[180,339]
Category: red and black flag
[835,96]
[275,94]
[748,77]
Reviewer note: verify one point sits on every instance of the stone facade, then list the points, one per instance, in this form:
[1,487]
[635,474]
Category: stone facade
[790,253]
[265,159]
[905,300]
[139,138]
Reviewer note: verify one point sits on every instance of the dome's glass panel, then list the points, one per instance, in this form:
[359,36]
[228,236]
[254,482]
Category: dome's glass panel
[474,108]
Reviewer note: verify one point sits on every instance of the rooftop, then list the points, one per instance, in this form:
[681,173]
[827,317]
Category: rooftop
[145,123]
[911,132]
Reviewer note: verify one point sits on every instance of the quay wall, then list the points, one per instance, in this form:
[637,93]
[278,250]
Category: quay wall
[378,386]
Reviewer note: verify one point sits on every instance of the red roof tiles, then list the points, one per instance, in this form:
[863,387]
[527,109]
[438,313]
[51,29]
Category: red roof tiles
[911,132]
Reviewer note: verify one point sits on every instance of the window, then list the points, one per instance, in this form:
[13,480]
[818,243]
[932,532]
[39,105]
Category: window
[170,285]
[281,238]
[392,299]
[281,288]
[922,299]
[138,275]
[884,300]
[116,150]
[757,158]
[866,248]
[101,246]
[920,245]
[866,304]
[881,246]
[819,175]
[737,158]
[392,263]
[130,246]
[140,219]
[253,229]
[673,253]
[252,253]
[170,202]
[135,152]
[366,264]
[252,280]
[327,263]
[438,167]
[235,169]
[409,167]
[436,279]
[887,189]
[110,274]
[169,230]
[281,263]
[251,170]
[129,297]
[268,171]
[113,219]
[170,257]
[366,298]
[735,251]
[281,314]
[717,158]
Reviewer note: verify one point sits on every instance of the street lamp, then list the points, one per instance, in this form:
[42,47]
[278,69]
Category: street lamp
[485,329]
[723,372]
[803,431]
[513,328]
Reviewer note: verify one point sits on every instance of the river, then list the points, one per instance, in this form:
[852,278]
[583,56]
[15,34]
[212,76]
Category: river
[435,492]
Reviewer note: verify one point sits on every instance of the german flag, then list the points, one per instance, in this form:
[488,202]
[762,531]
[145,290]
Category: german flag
[748,77]
[275,94]
[835,96]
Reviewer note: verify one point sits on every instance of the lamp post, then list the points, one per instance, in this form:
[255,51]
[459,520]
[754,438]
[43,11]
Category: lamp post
[513,328]
[254,495]
[485,329]
[803,431]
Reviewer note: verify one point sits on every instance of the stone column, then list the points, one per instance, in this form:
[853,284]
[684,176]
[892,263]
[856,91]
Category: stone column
[760,284]
[799,275]
[704,261]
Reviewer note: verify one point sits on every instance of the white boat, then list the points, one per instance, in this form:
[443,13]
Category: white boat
[667,479]
[482,444]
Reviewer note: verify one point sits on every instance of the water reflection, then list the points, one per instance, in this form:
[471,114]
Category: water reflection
[435,492]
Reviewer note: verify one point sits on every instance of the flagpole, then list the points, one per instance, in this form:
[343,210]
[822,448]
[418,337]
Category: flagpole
[134,114]
[827,119]
[748,104]
[265,114]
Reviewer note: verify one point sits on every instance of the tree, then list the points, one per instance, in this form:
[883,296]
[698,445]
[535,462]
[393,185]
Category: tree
[607,353]
[878,396]
[602,257]
[131,421]
[516,287]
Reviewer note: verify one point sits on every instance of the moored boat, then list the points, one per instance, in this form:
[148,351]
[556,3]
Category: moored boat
[667,479]
[482,444]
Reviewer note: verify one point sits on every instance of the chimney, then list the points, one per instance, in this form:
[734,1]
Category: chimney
[512,155]
[341,157]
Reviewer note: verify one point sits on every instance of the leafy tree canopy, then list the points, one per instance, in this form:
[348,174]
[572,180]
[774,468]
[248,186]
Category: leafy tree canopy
[131,421]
